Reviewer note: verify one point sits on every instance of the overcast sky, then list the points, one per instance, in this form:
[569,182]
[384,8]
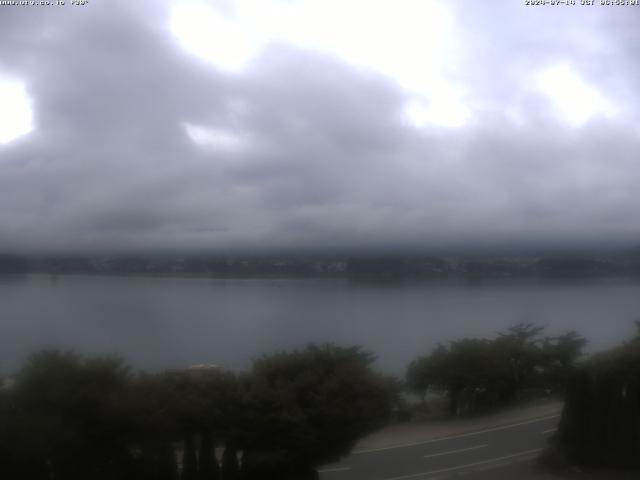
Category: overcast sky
[317,123]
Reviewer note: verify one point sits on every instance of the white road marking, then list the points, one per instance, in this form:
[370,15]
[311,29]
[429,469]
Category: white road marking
[456,451]
[551,430]
[337,469]
[454,437]
[468,465]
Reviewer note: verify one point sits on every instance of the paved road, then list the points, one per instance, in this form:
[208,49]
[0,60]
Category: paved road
[500,452]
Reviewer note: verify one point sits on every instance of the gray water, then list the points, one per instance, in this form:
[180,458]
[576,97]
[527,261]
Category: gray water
[175,322]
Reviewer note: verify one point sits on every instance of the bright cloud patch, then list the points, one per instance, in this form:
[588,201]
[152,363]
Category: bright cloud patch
[214,138]
[573,99]
[410,41]
[16,117]
[447,111]
[404,39]
[212,36]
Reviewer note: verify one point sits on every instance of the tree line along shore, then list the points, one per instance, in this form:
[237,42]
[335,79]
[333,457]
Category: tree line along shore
[67,416]
[381,267]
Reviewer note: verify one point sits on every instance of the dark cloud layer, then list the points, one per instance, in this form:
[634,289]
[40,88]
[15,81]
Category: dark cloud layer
[317,154]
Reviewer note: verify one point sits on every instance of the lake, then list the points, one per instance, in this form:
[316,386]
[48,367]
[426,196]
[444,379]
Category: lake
[175,322]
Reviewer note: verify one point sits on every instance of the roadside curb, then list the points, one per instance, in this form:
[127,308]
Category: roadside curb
[554,410]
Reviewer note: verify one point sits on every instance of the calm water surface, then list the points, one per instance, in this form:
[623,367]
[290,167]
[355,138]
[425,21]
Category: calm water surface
[175,322]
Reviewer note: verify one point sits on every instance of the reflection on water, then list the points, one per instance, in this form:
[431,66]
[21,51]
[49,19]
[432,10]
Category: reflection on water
[172,322]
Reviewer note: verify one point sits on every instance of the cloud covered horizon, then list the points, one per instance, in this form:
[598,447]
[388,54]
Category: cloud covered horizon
[307,124]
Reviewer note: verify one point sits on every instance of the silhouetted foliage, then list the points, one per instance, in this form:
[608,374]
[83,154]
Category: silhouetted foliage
[308,407]
[207,462]
[189,459]
[558,358]
[230,465]
[69,417]
[600,424]
[478,374]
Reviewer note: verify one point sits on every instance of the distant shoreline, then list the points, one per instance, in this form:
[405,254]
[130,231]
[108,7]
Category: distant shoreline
[364,268]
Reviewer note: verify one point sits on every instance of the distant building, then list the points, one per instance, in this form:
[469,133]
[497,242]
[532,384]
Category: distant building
[7,383]
[200,370]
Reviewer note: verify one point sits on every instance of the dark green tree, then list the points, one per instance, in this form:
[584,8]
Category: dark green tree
[600,424]
[309,407]
[153,408]
[519,348]
[478,374]
[186,409]
[427,372]
[69,411]
[230,465]
[559,358]
[207,462]
[189,459]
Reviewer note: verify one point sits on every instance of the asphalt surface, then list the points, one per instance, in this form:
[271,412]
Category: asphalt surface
[503,452]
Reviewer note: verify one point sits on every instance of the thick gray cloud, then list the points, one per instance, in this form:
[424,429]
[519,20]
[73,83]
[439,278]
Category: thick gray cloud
[316,151]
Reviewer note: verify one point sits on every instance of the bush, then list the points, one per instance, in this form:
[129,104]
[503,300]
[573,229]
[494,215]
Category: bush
[309,407]
[480,374]
[600,424]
